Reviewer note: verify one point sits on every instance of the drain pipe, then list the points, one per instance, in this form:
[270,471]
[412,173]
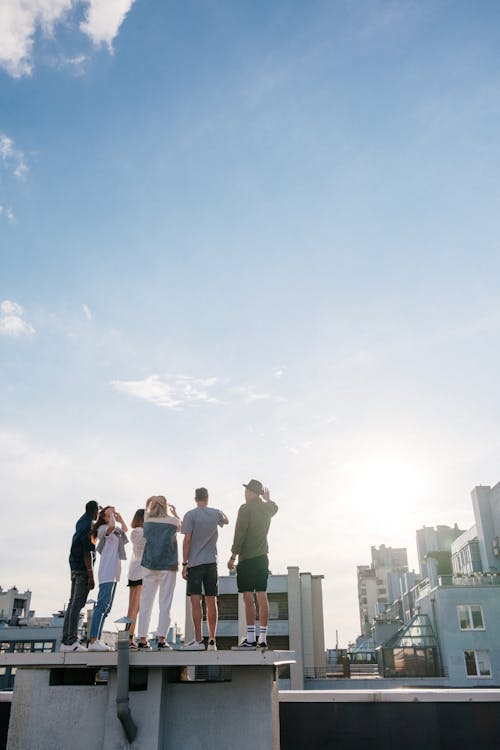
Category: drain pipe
[122,683]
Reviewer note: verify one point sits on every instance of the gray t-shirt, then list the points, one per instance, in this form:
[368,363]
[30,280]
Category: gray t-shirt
[202,524]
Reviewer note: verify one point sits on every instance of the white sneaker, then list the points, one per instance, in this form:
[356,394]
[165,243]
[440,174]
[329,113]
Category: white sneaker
[74,647]
[212,646]
[193,646]
[98,646]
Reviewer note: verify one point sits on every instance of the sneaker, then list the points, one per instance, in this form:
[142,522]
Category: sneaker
[144,646]
[98,646]
[262,645]
[246,646]
[165,645]
[74,647]
[212,646]
[193,646]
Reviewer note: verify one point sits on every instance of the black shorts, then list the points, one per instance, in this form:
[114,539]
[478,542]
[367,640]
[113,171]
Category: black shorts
[251,574]
[202,579]
[137,582]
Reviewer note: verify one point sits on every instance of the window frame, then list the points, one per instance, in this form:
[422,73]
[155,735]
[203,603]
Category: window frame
[485,656]
[468,609]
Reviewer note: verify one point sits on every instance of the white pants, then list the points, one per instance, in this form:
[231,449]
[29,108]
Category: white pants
[164,580]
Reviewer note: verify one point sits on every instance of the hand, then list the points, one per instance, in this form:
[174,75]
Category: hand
[91,582]
[266,494]
[230,563]
[185,572]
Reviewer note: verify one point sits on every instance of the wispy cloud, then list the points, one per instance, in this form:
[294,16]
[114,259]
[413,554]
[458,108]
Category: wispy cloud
[12,158]
[87,311]
[178,391]
[174,393]
[22,20]
[12,322]
[103,20]
[8,213]
[250,394]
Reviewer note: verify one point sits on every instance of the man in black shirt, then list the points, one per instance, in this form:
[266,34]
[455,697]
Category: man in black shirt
[81,560]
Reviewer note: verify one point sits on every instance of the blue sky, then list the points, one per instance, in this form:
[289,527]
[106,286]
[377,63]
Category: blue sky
[248,239]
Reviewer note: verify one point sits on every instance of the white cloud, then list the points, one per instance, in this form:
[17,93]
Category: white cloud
[279,372]
[12,322]
[179,392]
[87,312]
[12,157]
[19,21]
[8,213]
[103,19]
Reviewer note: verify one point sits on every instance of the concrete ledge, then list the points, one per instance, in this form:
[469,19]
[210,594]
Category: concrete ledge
[174,658]
[397,695]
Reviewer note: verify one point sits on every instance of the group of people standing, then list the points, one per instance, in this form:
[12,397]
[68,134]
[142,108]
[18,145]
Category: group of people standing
[154,565]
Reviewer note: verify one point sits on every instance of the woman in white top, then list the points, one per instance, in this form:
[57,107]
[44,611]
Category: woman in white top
[135,571]
[110,540]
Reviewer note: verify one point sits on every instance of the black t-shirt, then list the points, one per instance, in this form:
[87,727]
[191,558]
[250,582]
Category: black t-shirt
[80,544]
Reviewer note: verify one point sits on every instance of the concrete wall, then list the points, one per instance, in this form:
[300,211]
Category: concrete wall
[441,606]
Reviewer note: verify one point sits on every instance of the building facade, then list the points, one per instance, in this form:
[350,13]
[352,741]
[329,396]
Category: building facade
[295,621]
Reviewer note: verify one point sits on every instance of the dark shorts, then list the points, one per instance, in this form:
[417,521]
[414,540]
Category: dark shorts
[138,582]
[251,574]
[202,579]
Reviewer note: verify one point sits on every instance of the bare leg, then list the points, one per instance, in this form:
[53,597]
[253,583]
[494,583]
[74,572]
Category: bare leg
[211,605]
[197,614]
[249,607]
[133,607]
[263,608]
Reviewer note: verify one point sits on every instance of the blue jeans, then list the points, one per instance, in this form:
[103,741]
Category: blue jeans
[77,598]
[102,608]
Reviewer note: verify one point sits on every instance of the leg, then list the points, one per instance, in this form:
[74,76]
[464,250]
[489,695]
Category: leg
[133,607]
[263,608]
[106,592]
[167,586]
[197,614]
[109,604]
[211,605]
[249,602]
[78,597]
[149,589]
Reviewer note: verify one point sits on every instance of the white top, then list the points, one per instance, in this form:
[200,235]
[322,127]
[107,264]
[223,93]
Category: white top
[135,570]
[110,564]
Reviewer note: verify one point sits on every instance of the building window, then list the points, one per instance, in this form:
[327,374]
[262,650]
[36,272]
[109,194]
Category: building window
[470,617]
[477,664]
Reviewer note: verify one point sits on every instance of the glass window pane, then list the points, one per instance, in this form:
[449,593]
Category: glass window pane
[483,663]
[477,616]
[470,663]
[463,616]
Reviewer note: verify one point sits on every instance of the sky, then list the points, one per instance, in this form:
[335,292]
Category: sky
[248,239]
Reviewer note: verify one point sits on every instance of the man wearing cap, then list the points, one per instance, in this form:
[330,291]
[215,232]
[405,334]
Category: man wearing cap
[251,548]
[81,560]
[199,566]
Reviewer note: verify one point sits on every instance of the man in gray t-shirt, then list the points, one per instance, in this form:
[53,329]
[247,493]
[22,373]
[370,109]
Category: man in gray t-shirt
[199,566]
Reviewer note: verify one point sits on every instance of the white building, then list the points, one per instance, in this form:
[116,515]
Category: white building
[452,628]
[379,583]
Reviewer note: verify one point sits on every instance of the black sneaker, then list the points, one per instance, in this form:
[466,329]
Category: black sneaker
[246,646]
[262,645]
[144,646]
[165,645]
